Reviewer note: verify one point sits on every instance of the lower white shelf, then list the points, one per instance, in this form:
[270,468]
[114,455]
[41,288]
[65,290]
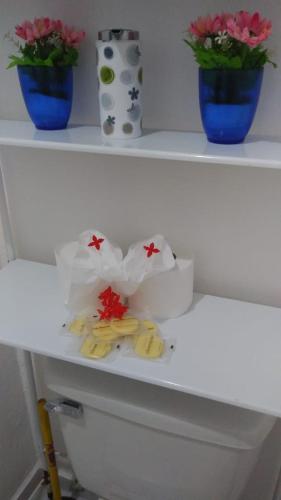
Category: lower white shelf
[226,350]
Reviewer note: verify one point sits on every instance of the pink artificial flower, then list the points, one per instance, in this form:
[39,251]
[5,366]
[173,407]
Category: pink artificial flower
[44,26]
[209,25]
[205,26]
[70,36]
[31,31]
[224,18]
[58,25]
[249,29]
[25,31]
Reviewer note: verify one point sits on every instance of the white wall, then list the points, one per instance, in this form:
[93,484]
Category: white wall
[228,217]
[17,456]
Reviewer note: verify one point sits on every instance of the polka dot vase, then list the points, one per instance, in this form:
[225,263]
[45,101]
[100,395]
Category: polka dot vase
[120,83]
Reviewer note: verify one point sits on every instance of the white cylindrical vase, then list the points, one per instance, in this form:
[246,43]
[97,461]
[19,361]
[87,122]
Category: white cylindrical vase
[120,83]
[166,295]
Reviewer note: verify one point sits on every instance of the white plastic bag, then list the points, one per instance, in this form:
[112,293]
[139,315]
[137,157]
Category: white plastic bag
[87,267]
[144,260]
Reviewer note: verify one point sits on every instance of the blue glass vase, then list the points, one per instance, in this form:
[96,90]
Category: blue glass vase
[228,102]
[47,93]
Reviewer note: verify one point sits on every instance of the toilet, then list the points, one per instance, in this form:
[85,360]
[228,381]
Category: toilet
[136,441]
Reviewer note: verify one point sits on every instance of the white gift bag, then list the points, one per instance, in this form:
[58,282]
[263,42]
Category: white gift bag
[144,260]
[85,268]
[149,274]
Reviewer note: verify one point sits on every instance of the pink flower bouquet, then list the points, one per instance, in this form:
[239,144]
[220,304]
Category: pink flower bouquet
[47,42]
[230,41]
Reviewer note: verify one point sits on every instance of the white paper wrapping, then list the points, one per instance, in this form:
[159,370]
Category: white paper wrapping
[88,266]
[166,295]
[78,275]
[142,262]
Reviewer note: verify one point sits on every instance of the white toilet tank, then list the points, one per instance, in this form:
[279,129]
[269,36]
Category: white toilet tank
[136,441]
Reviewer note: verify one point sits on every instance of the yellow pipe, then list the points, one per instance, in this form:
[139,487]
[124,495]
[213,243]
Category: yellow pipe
[49,450]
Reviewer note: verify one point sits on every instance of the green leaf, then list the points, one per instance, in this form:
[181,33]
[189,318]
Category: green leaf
[70,57]
[237,56]
[46,54]
[56,54]
[11,65]
[190,44]
[235,62]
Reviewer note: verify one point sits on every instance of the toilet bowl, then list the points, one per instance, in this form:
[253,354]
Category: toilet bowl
[135,441]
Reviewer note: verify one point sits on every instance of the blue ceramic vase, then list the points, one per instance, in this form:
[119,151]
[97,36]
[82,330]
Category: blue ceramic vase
[228,102]
[47,93]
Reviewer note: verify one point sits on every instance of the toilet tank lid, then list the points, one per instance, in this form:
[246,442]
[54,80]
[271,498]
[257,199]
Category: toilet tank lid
[159,408]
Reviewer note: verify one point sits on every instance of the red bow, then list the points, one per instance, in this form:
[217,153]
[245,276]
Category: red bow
[113,308]
[151,249]
[96,242]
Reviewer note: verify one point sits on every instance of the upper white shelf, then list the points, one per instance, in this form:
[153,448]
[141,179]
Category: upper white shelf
[164,145]
[225,350]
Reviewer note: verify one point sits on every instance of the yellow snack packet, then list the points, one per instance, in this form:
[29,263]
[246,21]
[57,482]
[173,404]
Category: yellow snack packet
[95,350]
[125,326]
[78,326]
[149,345]
[149,325]
[109,336]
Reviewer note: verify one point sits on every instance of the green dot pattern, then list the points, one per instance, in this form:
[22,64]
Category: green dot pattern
[107,75]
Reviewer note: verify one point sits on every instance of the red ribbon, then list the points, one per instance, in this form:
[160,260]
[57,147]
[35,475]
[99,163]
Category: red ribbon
[113,308]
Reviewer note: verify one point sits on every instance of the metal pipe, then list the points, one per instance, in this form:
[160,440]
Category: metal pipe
[48,444]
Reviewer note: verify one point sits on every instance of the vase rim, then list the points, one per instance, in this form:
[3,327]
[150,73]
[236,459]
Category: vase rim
[231,69]
[43,66]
